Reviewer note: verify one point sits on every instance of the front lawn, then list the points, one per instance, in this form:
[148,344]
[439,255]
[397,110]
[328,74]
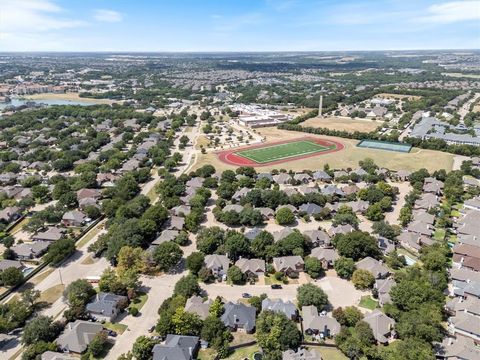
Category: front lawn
[329,353]
[368,302]
[139,301]
[439,234]
[117,327]
[244,353]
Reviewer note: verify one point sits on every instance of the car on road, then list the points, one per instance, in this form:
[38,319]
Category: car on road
[276,286]
[246,295]
[151,329]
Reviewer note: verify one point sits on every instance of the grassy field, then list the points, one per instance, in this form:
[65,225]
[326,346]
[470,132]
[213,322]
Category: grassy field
[336,123]
[329,353]
[368,302]
[244,353]
[398,96]
[118,328]
[282,151]
[53,294]
[460,75]
[348,157]
[67,96]
[139,301]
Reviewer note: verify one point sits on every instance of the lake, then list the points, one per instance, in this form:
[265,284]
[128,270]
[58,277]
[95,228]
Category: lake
[18,102]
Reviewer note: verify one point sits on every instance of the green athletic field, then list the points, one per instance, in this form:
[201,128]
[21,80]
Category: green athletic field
[282,151]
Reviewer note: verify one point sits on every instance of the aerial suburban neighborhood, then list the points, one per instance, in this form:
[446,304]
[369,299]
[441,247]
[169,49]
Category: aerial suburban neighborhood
[280,205]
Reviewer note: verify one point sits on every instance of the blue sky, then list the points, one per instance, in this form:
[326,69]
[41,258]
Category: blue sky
[238,25]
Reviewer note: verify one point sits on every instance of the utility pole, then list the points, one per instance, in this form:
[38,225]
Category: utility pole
[60,273]
[320,106]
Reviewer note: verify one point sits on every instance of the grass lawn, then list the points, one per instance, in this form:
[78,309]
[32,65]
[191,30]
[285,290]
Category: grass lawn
[89,236]
[368,302]
[242,353]
[118,328]
[329,353]
[439,234]
[19,226]
[281,151]
[337,123]
[139,301]
[52,294]
[455,213]
[206,354]
[241,338]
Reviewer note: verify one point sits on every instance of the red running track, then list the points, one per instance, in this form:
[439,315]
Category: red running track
[231,158]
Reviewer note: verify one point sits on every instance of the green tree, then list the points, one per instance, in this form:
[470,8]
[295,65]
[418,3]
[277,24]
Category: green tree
[357,245]
[79,292]
[187,286]
[186,323]
[59,251]
[344,267]
[285,216]
[276,333]
[33,351]
[142,347]
[313,267]
[11,276]
[97,345]
[41,328]
[348,316]
[167,255]
[363,279]
[195,261]
[235,275]
[310,294]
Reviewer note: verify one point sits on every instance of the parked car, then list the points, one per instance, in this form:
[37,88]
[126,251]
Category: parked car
[246,295]
[151,329]
[276,286]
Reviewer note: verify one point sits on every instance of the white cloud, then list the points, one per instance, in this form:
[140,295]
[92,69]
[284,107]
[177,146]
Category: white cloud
[451,12]
[31,16]
[105,15]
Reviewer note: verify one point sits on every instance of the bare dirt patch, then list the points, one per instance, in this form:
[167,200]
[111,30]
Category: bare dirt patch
[69,97]
[350,125]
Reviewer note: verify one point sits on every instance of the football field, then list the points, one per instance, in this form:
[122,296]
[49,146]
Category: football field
[287,150]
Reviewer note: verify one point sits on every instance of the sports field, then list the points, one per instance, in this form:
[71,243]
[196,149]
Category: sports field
[282,151]
[279,152]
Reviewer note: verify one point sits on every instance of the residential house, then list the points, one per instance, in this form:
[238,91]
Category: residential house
[6,264]
[340,229]
[181,210]
[218,264]
[326,256]
[282,178]
[199,306]
[310,208]
[166,235]
[239,317]
[383,287]
[52,355]
[382,326]
[427,201]
[317,325]
[233,207]
[266,212]
[73,218]
[281,234]
[302,178]
[175,223]
[177,347]
[89,193]
[278,305]
[252,233]
[432,185]
[414,241]
[240,193]
[420,228]
[77,336]
[30,251]
[52,234]
[465,324]
[107,306]
[252,268]
[317,237]
[467,256]
[10,214]
[459,348]
[378,270]
[289,265]
[321,176]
